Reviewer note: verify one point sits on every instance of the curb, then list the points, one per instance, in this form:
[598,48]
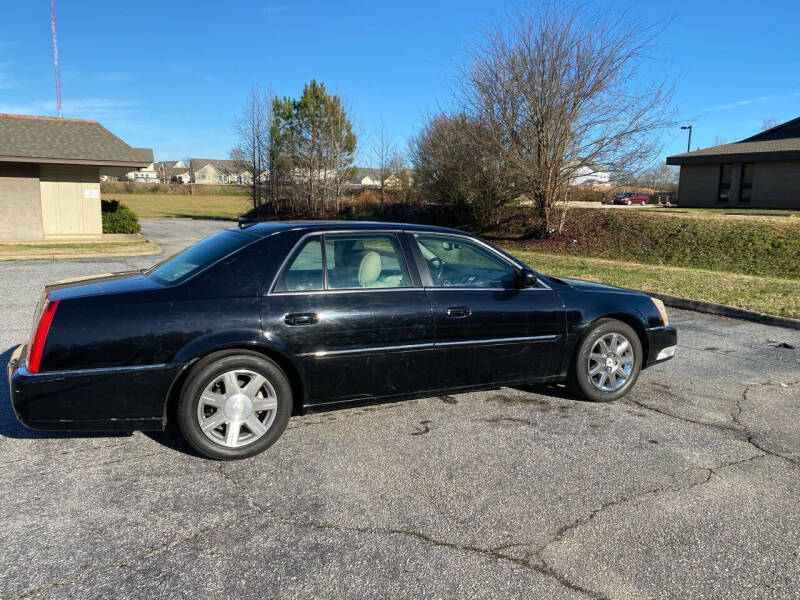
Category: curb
[45,256]
[726,311]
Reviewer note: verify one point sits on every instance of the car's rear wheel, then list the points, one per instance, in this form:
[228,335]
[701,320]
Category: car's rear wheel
[234,406]
[607,362]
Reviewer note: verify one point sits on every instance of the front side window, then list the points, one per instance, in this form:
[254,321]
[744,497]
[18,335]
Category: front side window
[724,183]
[206,252]
[457,262]
[304,272]
[368,260]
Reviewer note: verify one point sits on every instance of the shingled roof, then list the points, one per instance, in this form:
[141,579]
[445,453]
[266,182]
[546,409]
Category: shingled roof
[26,138]
[778,143]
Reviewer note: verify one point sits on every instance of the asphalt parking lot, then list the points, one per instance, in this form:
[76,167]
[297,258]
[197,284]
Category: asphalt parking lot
[688,488]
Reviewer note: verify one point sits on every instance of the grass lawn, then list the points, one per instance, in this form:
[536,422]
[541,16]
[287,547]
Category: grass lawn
[771,296]
[182,205]
[67,249]
[723,212]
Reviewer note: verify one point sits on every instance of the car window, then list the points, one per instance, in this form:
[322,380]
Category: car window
[205,252]
[304,272]
[457,262]
[368,260]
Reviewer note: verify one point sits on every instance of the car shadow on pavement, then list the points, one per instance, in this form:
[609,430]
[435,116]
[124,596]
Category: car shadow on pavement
[12,428]
[553,390]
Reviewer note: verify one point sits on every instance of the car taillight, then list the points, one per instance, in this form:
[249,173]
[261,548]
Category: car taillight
[40,335]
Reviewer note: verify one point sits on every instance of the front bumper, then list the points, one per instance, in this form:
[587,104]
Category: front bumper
[661,344]
[105,399]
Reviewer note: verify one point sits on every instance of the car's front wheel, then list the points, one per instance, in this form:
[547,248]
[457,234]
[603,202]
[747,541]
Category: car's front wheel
[607,362]
[234,406]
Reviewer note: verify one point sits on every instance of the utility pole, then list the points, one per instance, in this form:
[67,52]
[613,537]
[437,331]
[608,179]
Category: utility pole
[55,55]
[688,143]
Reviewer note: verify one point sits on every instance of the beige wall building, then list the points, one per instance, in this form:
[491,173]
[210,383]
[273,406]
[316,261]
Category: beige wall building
[211,171]
[49,175]
[762,171]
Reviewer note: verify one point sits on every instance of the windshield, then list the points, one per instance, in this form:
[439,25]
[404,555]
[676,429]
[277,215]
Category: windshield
[193,259]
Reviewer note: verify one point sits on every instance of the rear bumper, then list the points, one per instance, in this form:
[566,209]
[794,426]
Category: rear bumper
[106,399]
[661,344]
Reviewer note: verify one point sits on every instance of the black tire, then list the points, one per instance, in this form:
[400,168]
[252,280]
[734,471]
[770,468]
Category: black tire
[208,370]
[580,381]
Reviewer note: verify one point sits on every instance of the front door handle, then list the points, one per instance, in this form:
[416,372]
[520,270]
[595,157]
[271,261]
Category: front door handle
[301,318]
[458,312]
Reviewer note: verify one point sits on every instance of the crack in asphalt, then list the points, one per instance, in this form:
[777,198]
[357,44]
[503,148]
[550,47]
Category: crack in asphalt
[568,528]
[749,435]
[491,553]
[738,428]
[720,426]
[139,558]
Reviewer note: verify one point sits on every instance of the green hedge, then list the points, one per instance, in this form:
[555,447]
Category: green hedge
[753,246]
[118,218]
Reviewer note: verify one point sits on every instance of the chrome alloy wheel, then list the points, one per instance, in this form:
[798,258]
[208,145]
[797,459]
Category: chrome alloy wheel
[237,408]
[610,362]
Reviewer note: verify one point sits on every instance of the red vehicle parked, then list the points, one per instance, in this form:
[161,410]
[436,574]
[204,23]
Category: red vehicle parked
[629,198]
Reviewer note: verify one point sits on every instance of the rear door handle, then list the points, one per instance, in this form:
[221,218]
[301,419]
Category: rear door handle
[458,312]
[301,318]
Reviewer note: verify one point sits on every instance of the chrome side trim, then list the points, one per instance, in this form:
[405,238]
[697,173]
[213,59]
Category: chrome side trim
[346,291]
[351,351]
[428,346]
[96,371]
[493,341]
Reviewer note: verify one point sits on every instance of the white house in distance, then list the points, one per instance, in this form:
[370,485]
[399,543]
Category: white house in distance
[590,174]
[208,171]
[366,177]
[146,175]
[172,171]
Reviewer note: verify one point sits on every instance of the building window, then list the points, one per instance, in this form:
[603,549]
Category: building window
[724,183]
[746,191]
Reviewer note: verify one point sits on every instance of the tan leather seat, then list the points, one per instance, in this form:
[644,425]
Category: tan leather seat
[369,271]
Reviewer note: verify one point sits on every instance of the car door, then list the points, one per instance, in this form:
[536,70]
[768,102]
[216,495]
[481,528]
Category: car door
[354,315]
[486,329]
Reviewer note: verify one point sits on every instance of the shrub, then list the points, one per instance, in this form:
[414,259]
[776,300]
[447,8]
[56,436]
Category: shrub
[737,245]
[118,218]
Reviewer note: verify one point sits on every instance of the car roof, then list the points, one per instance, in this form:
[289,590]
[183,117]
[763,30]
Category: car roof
[266,228]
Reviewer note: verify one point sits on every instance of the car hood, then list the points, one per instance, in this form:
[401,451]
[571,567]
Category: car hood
[591,286]
[103,283]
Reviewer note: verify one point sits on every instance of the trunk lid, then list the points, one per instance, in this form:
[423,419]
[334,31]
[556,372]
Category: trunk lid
[103,283]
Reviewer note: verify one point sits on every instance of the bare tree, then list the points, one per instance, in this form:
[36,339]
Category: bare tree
[719,140]
[383,149]
[252,152]
[559,89]
[769,124]
[454,165]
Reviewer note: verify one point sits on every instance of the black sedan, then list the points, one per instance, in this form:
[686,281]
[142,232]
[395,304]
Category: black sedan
[252,325]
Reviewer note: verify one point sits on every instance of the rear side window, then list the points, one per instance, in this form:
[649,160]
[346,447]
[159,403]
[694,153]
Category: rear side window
[194,259]
[304,272]
[364,260]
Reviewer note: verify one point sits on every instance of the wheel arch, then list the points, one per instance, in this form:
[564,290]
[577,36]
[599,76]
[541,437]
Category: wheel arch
[633,321]
[280,357]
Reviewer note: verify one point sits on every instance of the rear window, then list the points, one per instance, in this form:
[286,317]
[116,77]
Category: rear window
[192,260]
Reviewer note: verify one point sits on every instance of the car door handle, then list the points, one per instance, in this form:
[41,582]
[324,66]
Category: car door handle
[458,312]
[301,318]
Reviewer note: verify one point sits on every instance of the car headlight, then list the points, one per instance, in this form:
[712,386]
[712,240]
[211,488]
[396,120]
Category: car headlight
[662,310]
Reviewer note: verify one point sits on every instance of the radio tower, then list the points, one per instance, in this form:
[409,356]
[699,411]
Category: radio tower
[55,55]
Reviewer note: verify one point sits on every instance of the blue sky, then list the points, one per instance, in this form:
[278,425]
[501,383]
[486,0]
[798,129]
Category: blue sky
[172,75]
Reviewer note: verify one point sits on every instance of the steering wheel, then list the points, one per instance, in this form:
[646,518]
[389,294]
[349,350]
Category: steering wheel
[437,268]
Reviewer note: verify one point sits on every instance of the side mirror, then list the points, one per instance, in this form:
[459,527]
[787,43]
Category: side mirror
[527,278]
